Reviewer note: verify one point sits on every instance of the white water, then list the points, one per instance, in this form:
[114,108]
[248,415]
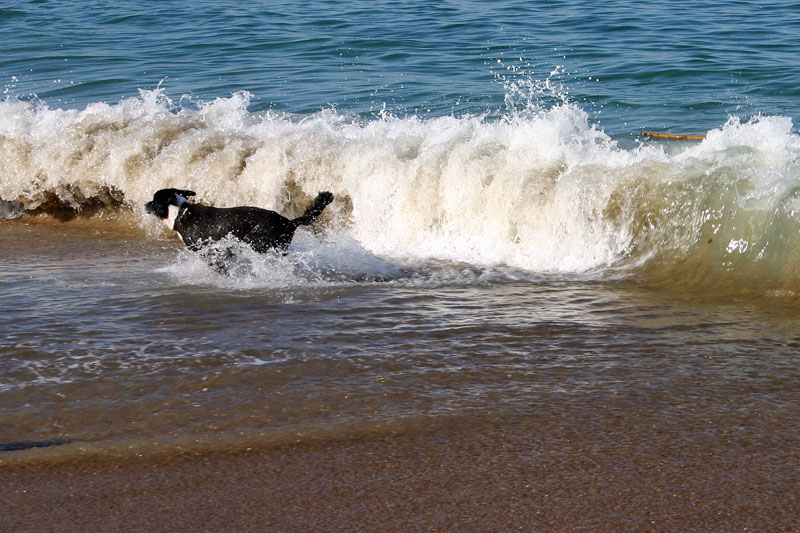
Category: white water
[542,191]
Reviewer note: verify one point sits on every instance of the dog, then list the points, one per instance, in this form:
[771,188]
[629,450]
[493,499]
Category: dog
[199,225]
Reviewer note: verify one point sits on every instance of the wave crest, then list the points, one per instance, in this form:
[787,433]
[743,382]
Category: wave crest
[542,191]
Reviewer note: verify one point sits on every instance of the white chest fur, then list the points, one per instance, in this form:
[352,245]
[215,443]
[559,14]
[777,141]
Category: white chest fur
[172,216]
[174,210]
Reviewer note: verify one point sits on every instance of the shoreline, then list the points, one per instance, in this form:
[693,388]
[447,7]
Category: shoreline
[513,477]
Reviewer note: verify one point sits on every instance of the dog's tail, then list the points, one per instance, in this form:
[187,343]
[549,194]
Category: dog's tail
[311,214]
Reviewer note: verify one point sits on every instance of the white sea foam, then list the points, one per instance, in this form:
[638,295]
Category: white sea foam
[541,191]
[311,263]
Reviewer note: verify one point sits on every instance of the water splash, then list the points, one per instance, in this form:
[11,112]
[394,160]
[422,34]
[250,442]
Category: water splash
[541,190]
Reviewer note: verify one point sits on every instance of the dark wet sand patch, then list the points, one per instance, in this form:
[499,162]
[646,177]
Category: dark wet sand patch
[515,477]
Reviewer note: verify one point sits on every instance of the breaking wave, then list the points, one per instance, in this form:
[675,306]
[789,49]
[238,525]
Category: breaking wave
[541,191]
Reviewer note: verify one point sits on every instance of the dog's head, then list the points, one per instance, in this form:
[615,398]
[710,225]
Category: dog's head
[164,198]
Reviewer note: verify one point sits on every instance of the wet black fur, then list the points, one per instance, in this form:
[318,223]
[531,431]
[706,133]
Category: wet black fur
[262,229]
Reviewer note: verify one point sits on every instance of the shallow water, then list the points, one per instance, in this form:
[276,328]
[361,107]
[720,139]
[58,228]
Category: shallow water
[116,343]
[503,244]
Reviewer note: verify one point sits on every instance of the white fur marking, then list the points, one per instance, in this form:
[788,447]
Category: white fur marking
[173,210]
[172,215]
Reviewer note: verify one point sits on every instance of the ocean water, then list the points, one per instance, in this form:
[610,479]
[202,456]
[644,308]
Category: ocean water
[504,244]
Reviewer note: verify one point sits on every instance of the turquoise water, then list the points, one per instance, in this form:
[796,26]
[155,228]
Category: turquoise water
[681,67]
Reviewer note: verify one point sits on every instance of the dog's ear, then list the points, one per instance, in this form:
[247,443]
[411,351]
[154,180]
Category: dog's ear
[185,193]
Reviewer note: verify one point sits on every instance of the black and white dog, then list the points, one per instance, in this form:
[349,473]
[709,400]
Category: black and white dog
[198,225]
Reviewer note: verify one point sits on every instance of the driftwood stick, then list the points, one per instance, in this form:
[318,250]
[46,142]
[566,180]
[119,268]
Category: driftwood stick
[673,136]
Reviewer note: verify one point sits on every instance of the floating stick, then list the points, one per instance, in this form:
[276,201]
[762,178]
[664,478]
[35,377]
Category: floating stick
[673,136]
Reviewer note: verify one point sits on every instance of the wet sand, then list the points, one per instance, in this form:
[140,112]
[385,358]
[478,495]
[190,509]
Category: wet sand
[608,475]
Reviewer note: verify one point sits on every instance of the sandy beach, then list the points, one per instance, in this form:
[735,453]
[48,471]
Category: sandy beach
[609,475]
[522,311]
